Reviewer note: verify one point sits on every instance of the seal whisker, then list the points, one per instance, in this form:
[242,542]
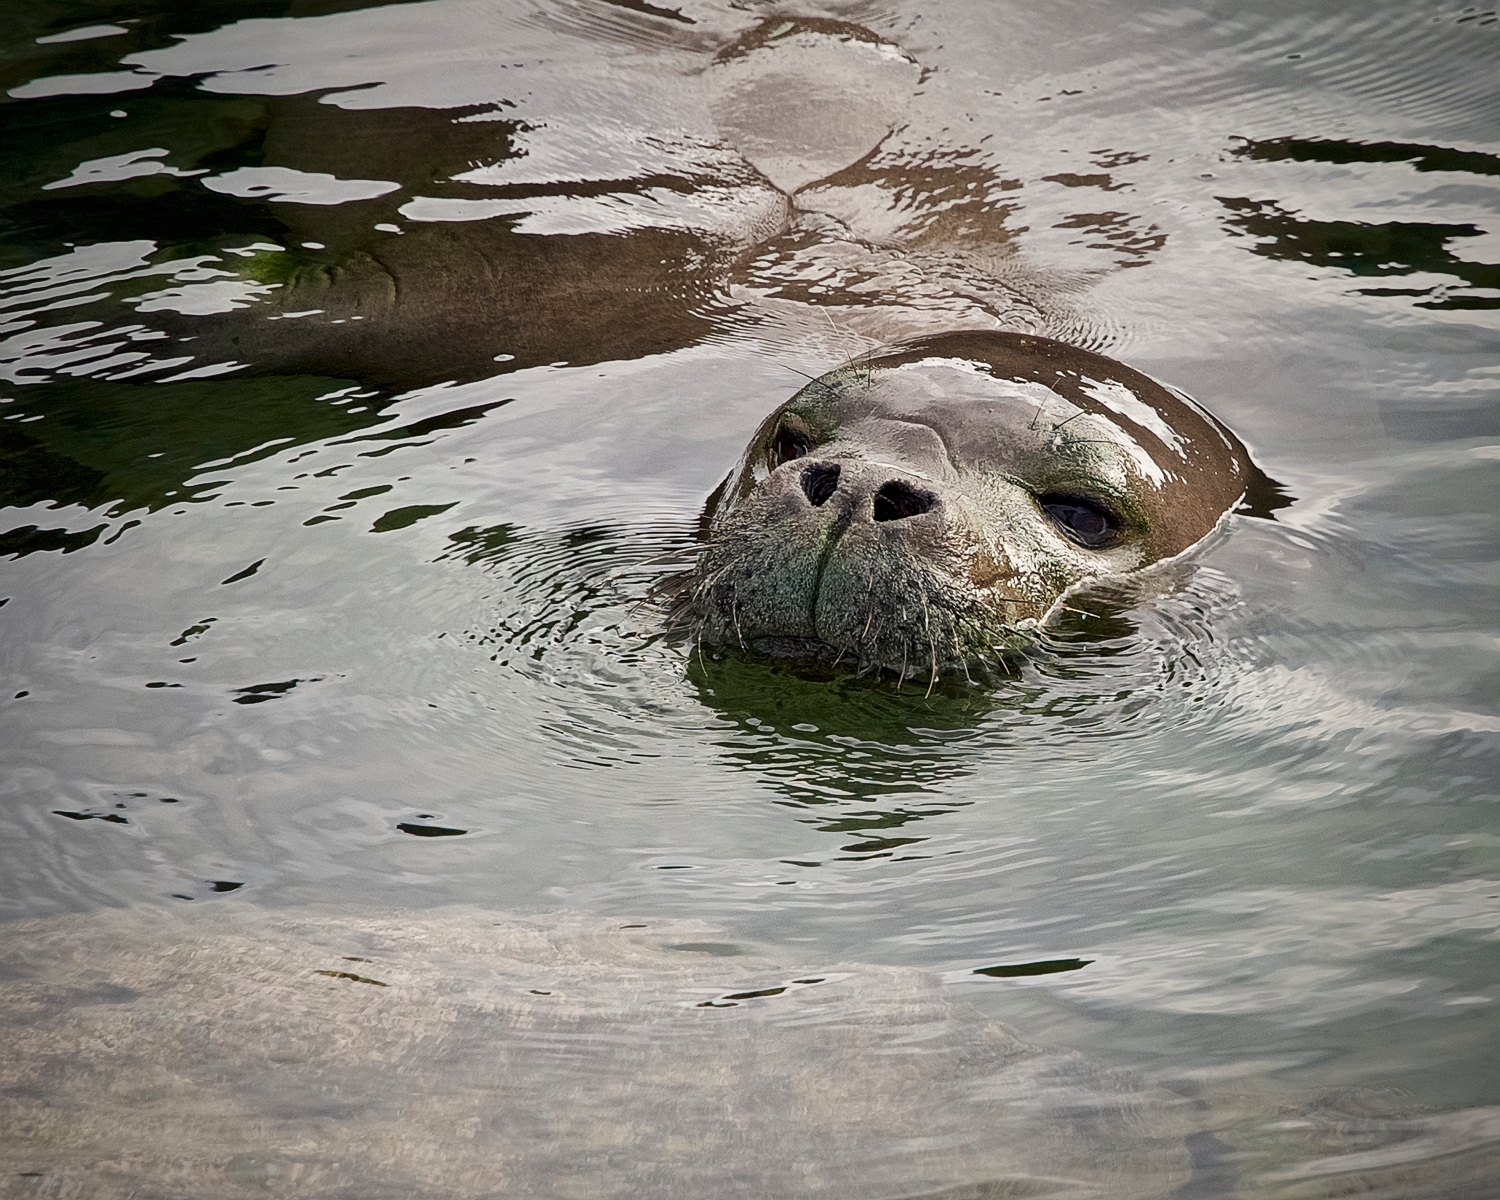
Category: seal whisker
[812,378]
[1082,412]
[932,644]
[1037,416]
[849,364]
[870,607]
[963,659]
[664,556]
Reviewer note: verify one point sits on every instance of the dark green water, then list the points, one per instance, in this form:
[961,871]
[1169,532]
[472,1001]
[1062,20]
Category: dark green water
[365,366]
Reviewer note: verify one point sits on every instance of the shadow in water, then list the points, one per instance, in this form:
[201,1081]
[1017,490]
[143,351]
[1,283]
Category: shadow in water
[123,267]
[1364,248]
[871,758]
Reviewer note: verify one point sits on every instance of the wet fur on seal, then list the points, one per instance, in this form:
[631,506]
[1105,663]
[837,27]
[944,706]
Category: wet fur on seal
[926,508]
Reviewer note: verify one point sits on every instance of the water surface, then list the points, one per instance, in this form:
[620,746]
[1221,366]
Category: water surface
[366,367]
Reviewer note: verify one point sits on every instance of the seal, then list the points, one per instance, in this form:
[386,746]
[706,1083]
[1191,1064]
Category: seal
[928,507]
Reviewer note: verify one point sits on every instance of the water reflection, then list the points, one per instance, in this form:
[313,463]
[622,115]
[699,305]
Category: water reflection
[125,447]
[1255,803]
[443,229]
[1367,248]
[870,760]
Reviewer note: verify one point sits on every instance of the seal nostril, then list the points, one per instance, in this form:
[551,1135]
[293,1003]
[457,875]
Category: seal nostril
[896,500]
[820,481]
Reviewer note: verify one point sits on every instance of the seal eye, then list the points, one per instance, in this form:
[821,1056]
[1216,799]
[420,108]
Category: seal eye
[1082,520]
[787,444]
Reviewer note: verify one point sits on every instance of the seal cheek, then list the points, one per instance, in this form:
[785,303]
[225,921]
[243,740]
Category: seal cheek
[1008,582]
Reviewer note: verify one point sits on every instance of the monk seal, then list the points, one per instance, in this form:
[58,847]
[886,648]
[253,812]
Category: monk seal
[928,507]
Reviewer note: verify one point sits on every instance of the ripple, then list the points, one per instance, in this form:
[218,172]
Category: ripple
[571,600]
[1344,52]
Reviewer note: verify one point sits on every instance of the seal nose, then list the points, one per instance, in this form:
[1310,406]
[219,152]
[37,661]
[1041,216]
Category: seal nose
[897,500]
[820,481]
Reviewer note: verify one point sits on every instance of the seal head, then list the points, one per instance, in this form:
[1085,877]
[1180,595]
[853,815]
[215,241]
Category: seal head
[927,507]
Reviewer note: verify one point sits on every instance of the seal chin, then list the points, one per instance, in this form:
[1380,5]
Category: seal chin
[796,648]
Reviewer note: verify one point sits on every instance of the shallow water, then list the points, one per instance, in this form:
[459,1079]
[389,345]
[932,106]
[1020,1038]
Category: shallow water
[351,608]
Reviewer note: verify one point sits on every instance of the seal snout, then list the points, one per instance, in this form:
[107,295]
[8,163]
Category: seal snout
[892,500]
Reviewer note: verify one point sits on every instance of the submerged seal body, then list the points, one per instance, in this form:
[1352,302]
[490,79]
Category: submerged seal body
[925,508]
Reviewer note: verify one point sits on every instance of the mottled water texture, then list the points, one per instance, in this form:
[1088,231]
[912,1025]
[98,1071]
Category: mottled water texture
[467,1053]
[365,368]
[464,1054]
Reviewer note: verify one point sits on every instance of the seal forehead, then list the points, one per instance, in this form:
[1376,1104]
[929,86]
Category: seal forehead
[990,423]
[957,364]
[1091,412]
[1119,399]
[953,394]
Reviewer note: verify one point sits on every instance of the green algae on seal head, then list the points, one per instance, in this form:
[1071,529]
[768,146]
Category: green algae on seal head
[926,508]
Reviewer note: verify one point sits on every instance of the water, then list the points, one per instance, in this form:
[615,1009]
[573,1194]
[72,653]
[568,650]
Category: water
[352,576]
